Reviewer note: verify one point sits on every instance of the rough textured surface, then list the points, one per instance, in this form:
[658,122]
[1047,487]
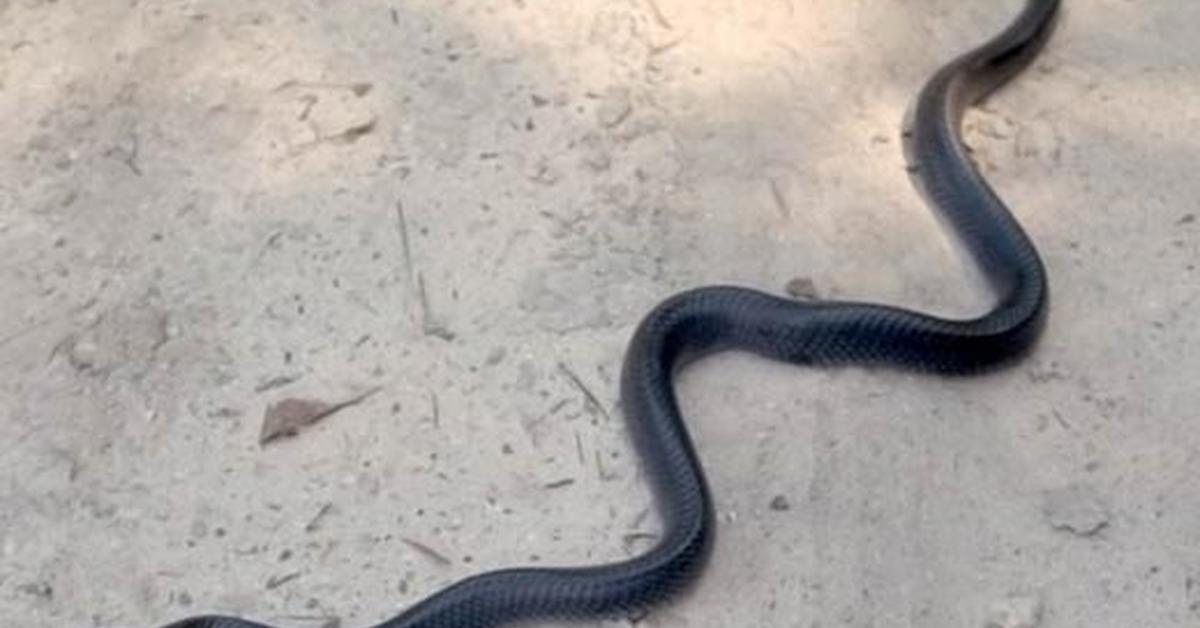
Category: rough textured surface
[207,208]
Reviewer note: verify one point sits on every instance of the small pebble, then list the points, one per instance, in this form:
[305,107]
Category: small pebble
[780,504]
[1077,509]
[802,288]
[1016,611]
[84,355]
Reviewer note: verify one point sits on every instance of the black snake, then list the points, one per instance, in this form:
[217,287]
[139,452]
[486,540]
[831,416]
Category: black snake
[705,320]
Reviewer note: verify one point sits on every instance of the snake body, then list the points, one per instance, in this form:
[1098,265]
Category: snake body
[702,321]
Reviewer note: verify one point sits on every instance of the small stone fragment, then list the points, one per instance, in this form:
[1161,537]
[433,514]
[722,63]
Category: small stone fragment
[353,133]
[802,288]
[83,355]
[1016,611]
[1077,509]
[780,504]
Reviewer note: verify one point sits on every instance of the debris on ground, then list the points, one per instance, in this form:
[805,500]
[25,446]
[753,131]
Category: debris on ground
[276,382]
[1077,509]
[428,552]
[315,523]
[288,417]
[802,288]
[274,582]
[1016,611]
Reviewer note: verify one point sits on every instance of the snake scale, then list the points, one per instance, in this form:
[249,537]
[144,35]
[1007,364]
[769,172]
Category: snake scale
[702,321]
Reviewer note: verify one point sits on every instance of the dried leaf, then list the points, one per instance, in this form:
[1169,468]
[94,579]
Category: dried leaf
[286,418]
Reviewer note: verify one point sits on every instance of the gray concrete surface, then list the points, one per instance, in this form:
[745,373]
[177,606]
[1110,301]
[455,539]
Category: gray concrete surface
[464,207]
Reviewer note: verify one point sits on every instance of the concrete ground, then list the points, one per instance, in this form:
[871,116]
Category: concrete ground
[454,213]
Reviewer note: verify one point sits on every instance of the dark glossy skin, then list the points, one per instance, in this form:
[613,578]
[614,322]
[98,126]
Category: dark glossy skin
[706,320]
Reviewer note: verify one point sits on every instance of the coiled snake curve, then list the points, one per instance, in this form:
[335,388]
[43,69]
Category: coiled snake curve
[705,320]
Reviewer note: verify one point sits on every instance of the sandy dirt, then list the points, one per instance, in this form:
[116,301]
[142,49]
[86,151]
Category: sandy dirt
[447,217]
